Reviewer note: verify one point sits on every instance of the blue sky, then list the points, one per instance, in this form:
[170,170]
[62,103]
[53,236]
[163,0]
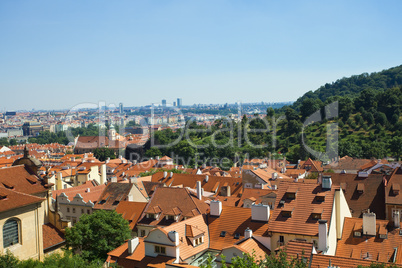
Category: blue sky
[57,54]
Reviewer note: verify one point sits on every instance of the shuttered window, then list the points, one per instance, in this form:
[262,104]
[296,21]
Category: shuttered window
[10,233]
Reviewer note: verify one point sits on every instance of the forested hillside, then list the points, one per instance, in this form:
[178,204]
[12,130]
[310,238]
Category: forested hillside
[369,122]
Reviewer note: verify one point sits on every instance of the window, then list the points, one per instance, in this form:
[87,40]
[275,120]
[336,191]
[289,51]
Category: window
[357,234]
[10,233]
[159,249]
[73,210]
[142,233]
[88,211]
[82,210]
[68,209]
[281,239]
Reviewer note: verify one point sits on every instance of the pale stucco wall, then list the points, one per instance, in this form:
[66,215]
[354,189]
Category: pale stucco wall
[30,231]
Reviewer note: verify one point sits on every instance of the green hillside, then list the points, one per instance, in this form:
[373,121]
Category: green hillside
[369,125]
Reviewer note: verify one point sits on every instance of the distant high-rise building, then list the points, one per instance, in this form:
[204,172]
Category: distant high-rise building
[121,108]
[179,103]
[174,104]
[164,103]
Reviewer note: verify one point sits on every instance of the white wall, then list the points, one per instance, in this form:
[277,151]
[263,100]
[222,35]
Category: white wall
[342,211]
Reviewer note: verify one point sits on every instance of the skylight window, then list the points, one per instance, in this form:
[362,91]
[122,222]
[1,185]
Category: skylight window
[223,233]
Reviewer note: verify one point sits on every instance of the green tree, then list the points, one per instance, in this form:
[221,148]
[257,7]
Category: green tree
[104,153]
[270,112]
[4,142]
[152,152]
[94,235]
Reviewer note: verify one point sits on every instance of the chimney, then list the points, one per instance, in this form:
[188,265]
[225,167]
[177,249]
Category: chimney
[133,180]
[198,189]
[72,159]
[174,236]
[103,174]
[260,212]
[326,183]
[274,176]
[107,160]
[59,181]
[157,157]
[132,245]
[206,178]
[248,233]
[164,174]
[397,222]
[216,208]
[319,178]
[322,235]
[171,174]
[114,179]
[369,223]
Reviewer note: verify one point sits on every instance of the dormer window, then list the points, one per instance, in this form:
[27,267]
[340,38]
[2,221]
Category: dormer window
[286,212]
[198,241]
[382,232]
[360,188]
[291,193]
[316,213]
[395,188]
[151,216]
[357,234]
[320,197]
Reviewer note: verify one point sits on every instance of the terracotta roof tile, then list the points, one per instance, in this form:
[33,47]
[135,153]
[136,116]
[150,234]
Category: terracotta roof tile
[372,248]
[131,211]
[20,179]
[10,199]
[51,236]
[370,197]
[301,221]
[233,220]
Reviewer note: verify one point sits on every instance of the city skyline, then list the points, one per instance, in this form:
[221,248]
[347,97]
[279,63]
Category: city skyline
[58,55]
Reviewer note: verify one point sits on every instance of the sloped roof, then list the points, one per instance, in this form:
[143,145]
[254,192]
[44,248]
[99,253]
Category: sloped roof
[233,220]
[395,179]
[169,199]
[112,195]
[372,197]
[186,247]
[92,195]
[257,194]
[301,221]
[10,199]
[214,183]
[131,211]
[51,236]
[379,250]
[22,180]
[137,259]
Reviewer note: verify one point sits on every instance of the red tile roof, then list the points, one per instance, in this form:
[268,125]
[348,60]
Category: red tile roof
[233,220]
[51,236]
[10,199]
[22,180]
[300,222]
